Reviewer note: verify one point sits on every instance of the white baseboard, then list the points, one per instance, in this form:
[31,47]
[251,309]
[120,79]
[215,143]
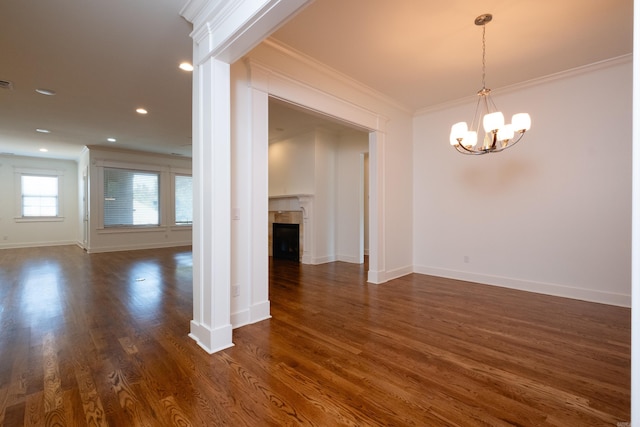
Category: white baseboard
[348,258]
[382,276]
[254,314]
[240,318]
[375,277]
[37,244]
[136,247]
[323,260]
[554,289]
[398,272]
[260,311]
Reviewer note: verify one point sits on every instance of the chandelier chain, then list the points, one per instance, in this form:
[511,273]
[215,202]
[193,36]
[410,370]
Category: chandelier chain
[484,46]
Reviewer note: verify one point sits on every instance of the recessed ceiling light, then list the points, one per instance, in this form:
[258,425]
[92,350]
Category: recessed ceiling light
[47,92]
[141,111]
[111,139]
[43,130]
[43,150]
[186,66]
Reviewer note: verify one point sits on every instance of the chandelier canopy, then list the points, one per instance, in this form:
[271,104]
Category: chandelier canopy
[498,136]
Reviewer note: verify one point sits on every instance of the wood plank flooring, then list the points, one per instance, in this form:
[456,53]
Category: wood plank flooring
[101,340]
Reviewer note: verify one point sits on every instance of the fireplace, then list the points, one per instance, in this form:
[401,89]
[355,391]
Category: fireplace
[286,241]
[294,209]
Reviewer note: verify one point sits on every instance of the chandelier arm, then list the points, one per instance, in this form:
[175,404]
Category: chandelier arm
[494,141]
[509,145]
[469,151]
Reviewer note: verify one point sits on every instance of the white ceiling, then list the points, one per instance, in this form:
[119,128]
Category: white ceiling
[427,52]
[106,58]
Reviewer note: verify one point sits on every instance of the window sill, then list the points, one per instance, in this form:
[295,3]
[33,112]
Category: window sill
[39,219]
[132,229]
[185,227]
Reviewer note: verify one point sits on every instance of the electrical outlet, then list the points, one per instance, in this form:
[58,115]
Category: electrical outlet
[235,290]
[466,259]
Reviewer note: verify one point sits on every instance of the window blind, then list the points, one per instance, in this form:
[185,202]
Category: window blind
[184,200]
[130,198]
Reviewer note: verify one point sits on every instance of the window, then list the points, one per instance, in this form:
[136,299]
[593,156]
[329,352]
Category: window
[131,198]
[184,200]
[39,196]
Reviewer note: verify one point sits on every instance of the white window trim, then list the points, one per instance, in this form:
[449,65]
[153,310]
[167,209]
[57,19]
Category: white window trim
[17,174]
[182,227]
[133,229]
[39,219]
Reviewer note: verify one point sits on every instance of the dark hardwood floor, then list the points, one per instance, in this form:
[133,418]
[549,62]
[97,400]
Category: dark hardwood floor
[102,340]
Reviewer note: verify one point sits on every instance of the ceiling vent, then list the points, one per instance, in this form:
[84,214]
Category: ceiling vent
[6,84]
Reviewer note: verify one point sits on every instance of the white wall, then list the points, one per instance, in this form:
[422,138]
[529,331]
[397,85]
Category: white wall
[15,234]
[552,214]
[102,239]
[351,226]
[325,197]
[292,165]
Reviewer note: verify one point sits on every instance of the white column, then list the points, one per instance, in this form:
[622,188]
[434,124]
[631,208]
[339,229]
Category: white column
[259,305]
[223,32]
[211,324]
[376,209]
[635,225]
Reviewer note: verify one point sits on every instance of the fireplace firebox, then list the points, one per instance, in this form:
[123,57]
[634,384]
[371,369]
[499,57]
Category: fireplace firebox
[286,241]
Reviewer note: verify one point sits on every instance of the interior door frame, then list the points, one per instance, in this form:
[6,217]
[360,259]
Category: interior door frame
[270,83]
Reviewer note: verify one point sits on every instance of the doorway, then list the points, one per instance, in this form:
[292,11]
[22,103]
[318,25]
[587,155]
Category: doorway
[264,85]
[324,159]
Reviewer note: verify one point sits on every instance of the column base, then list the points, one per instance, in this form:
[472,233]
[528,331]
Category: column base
[211,340]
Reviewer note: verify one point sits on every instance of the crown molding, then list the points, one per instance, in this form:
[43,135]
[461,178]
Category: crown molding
[228,29]
[572,72]
[333,73]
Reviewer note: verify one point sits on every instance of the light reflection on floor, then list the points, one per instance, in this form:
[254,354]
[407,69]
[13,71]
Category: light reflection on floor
[40,299]
[144,289]
[183,269]
[41,287]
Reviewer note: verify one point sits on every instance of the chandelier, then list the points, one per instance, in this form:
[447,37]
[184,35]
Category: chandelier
[498,136]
